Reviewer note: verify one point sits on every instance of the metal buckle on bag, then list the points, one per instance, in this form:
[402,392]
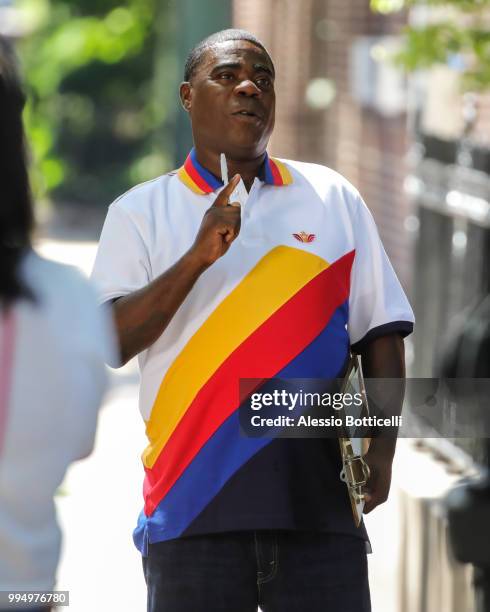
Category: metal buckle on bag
[355,474]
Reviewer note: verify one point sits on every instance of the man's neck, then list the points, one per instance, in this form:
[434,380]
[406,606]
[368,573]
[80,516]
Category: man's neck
[247,169]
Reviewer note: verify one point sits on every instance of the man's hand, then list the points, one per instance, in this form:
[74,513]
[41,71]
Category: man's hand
[379,459]
[142,316]
[219,227]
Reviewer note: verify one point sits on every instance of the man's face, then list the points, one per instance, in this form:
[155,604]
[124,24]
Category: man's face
[231,100]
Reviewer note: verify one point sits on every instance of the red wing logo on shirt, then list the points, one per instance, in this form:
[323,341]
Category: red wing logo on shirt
[304,237]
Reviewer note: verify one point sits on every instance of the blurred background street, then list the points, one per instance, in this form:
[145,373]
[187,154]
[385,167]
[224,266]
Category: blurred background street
[102,572]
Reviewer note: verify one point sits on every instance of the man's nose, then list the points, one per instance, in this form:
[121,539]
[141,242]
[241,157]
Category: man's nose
[247,88]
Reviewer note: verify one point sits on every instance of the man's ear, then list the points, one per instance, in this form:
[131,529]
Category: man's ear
[185,92]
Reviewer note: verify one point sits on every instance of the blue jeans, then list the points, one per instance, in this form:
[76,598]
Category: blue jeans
[280,571]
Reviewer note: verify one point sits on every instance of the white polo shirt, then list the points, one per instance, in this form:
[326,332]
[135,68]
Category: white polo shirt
[306,278]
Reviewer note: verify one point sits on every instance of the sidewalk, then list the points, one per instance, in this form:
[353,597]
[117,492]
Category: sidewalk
[101,496]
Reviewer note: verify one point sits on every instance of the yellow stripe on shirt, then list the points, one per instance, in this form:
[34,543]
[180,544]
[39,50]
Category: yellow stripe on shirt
[273,281]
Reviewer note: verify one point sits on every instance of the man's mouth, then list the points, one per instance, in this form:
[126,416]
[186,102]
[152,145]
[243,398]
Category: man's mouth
[247,113]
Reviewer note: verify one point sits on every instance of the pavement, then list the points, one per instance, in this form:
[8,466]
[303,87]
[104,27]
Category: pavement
[101,496]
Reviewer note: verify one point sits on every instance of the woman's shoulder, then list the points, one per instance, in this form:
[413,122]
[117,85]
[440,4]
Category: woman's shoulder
[52,282]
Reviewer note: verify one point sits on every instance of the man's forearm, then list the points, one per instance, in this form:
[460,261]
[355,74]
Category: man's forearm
[142,316]
[384,358]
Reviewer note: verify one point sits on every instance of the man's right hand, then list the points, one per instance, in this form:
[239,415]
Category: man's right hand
[142,316]
[219,227]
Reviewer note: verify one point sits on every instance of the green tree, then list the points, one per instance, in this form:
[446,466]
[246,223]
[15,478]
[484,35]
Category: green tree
[93,120]
[459,37]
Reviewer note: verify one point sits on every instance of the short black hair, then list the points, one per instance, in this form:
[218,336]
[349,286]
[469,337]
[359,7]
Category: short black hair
[196,54]
[16,211]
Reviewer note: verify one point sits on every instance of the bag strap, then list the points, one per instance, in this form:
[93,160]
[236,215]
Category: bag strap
[355,471]
[354,365]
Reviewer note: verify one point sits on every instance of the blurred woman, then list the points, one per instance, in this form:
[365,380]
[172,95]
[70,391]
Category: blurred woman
[53,344]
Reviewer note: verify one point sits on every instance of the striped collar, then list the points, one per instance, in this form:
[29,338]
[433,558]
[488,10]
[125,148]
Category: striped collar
[201,181]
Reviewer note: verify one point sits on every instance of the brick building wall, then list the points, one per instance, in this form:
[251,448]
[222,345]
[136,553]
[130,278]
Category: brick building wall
[311,39]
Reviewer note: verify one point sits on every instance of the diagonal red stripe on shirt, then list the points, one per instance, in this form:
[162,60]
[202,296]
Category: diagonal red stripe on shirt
[264,353]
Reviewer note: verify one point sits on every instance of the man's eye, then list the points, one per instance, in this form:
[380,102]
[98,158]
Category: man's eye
[225,75]
[264,82]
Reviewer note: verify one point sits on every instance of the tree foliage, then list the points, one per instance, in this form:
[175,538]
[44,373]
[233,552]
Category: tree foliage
[92,115]
[460,38]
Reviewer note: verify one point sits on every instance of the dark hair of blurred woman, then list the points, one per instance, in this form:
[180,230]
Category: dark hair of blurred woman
[16,212]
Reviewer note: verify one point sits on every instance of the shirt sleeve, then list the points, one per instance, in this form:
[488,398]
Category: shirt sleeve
[377,303]
[122,263]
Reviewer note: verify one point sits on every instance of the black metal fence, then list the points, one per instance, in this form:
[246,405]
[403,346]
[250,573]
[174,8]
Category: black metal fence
[452,254]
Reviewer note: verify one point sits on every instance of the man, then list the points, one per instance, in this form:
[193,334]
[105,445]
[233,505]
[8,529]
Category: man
[207,292]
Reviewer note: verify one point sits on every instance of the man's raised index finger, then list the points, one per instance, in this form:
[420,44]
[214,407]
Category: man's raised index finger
[224,195]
